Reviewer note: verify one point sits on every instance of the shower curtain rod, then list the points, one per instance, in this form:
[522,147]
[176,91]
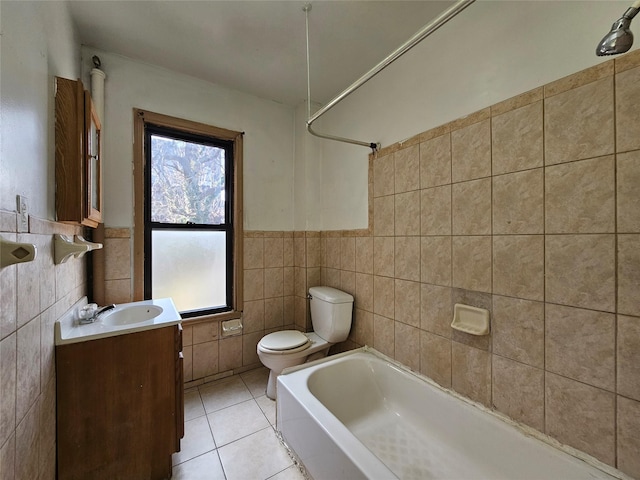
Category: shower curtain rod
[405,47]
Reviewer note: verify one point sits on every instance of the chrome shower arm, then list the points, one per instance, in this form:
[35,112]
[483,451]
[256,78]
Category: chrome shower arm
[423,33]
[632,11]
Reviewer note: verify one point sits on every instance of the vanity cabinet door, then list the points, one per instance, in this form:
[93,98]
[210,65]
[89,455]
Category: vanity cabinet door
[117,406]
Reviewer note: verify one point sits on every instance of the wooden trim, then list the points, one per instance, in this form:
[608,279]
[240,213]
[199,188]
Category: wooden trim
[140,117]
[185,125]
[138,205]
[238,216]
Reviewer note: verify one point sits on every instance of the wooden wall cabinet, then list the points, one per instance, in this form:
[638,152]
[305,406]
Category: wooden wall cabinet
[120,406]
[78,155]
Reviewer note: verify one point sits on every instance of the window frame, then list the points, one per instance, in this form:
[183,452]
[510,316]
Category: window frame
[142,118]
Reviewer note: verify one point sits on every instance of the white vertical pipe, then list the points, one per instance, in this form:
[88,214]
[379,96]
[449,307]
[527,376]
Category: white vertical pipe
[97,92]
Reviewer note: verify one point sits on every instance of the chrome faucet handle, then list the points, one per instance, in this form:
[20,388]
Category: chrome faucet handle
[87,313]
[90,313]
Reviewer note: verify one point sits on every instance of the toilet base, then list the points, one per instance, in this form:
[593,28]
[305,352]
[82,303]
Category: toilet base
[271,385]
[273,376]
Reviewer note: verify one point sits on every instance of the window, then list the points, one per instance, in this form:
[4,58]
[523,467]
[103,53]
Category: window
[188,226]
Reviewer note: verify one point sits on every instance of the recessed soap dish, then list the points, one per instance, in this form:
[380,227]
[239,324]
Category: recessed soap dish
[472,320]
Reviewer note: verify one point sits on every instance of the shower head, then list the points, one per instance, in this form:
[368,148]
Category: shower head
[620,38]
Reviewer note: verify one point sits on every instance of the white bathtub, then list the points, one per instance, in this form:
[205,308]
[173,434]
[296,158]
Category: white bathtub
[358,415]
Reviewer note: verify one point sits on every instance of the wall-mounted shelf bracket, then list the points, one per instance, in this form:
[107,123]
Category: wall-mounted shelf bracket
[15,252]
[79,240]
[64,248]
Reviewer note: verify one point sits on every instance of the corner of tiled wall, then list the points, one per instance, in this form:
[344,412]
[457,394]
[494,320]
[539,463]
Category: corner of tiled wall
[32,297]
[531,209]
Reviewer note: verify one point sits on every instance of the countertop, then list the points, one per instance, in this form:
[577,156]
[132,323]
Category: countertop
[68,330]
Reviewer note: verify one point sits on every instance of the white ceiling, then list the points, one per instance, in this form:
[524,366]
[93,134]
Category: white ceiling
[257,47]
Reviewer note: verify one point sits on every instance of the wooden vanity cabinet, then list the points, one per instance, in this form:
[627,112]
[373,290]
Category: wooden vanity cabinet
[120,410]
[78,154]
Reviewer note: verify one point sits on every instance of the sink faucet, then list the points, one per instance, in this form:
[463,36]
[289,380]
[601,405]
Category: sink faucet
[91,312]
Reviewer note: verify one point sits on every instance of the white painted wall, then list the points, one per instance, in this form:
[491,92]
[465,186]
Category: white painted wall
[308,174]
[268,140]
[38,42]
[492,51]
[323,194]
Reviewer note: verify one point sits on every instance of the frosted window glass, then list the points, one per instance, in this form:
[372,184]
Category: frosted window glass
[190,267]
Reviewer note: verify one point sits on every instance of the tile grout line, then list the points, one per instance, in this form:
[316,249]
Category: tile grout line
[216,449]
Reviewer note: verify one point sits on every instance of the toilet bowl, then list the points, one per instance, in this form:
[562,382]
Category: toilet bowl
[278,360]
[331,313]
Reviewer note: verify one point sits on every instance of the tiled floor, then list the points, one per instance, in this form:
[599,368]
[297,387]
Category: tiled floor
[229,433]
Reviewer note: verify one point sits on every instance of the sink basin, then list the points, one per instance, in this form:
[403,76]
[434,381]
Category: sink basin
[125,318]
[130,315]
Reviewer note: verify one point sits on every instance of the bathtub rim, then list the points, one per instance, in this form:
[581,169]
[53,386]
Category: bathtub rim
[523,428]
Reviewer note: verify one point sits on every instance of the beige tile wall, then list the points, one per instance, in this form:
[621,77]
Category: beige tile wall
[531,209]
[33,296]
[117,265]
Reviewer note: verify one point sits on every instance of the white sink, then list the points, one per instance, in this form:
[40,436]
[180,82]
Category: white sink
[124,318]
[129,315]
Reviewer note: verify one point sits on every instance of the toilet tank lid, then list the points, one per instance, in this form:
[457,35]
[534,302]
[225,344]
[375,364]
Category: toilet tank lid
[331,295]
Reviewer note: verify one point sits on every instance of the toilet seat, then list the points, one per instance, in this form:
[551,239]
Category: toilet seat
[284,342]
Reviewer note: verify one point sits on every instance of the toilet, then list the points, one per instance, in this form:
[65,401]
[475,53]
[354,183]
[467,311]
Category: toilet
[331,313]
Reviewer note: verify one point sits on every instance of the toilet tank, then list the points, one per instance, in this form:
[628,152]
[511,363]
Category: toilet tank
[331,312]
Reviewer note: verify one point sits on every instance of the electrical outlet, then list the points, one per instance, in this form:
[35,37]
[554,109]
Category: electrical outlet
[23,213]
